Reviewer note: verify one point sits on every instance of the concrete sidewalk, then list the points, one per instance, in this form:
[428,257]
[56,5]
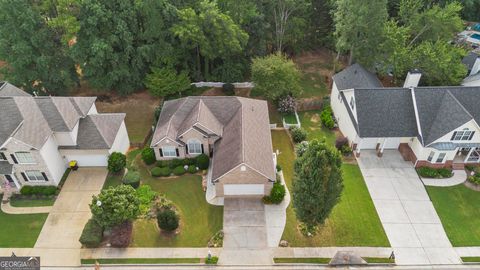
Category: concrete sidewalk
[8,209]
[459,176]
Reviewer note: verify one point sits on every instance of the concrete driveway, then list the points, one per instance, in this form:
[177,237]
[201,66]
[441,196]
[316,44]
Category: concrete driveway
[244,225]
[405,210]
[68,216]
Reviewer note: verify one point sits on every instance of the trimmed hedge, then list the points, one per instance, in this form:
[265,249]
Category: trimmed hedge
[122,235]
[159,172]
[132,178]
[116,162]
[276,194]
[92,234]
[189,161]
[148,156]
[168,220]
[180,170]
[428,172]
[202,161]
[38,190]
[192,169]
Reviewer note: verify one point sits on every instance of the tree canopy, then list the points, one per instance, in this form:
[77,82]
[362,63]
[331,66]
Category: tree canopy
[163,82]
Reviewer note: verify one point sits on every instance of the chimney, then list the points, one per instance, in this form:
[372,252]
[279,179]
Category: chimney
[412,79]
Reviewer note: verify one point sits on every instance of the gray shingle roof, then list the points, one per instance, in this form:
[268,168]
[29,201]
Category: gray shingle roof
[469,60]
[5,167]
[10,118]
[385,112]
[356,76]
[98,131]
[242,123]
[471,78]
[9,90]
[34,129]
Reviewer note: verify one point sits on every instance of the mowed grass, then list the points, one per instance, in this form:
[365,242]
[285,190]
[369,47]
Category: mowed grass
[310,121]
[459,210]
[199,221]
[142,261]
[20,231]
[303,260]
[23,202]
[313,84]
[353,221]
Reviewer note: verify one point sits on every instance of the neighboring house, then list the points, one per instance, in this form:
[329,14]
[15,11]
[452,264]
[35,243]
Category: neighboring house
[40,135]
[234,131]
[430,126]
[472,62]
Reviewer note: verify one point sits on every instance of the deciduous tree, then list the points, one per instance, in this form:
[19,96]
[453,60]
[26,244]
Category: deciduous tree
[165,81]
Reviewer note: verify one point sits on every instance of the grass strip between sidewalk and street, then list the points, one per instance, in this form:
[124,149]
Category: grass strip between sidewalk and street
[142,261]
[378,260]
[471,259]
[303,260]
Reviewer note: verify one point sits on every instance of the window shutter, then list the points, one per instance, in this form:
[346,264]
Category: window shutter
[24,177]
[2,155]
[161,152]
[45,176]
[453,136]
[471,135]
[202,148]
[13,158]
[176,150]
[186,148]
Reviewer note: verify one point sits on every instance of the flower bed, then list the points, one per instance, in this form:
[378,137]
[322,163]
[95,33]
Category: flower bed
[427,172]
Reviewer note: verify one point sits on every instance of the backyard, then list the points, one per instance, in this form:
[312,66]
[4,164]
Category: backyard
[353,222]
[20,231]
[310,121]
[458,209]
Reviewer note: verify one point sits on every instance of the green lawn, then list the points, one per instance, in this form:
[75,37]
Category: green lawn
[471,259]
[353,222]
[459,211]
[310,121]
[303,260]
[20,231]
[115,179]
[290,118]
[313,85]
[199,221]
[378,260]
[142,261]
[23,202]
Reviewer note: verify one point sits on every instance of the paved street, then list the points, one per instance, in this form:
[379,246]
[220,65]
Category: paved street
[406,212]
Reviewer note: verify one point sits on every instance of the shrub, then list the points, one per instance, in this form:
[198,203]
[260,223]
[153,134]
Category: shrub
[38,190]
[276,194]
[132,178]
[148,156]
[279,168]
[301,148]
[189,161]
[116,162]
[175,163]
[202,161]
[163,163]
[428,172]
[470,168]
[228,89]
[146,196]
[445,173]
[475,179]
[122,235]
[92,234]
[180,170]
[346,149]
[298,134]
[340,142]
[211,260]
[327,117]
[287,104]
[192,169]
[168,220]
[161,172]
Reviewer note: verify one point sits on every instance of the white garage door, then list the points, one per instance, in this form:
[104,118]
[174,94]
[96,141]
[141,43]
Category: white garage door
[89,160]
[243,189]
[392,143]
[368,143]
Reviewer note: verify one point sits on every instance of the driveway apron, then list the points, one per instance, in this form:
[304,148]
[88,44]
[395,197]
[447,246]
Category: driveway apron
[68,216]
[405,210]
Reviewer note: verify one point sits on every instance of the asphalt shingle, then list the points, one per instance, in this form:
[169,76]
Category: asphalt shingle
[356,76]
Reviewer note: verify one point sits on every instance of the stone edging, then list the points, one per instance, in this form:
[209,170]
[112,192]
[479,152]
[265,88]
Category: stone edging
[459,176]
[472,186]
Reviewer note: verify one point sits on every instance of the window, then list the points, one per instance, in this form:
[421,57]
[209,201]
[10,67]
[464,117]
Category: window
[463,135]
[430,157]
[352,103]
[34,176]
[169,151]
[24,157]
[194,147]
[2,156]
[440,157]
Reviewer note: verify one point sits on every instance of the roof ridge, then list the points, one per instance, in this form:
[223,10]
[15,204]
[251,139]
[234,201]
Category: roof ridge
[459,103]
[173,115]
[243,132]
[99,130]
[60,113]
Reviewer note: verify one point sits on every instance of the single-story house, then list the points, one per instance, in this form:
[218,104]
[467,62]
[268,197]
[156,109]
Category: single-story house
[39,136]
[233,131]
[430,126]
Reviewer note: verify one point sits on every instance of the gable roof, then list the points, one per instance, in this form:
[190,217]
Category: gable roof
[471,78]
[11,118]
[356,76]
[9,90]
[469,60]
[98,131]
[241,123]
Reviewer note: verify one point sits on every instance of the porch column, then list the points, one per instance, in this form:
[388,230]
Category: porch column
[469,154]
[357,151]
[380,153]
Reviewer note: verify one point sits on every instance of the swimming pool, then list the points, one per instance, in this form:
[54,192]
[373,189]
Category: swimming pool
[475,36]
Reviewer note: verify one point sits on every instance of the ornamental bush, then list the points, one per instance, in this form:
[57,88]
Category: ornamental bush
[116,162]
[122,235]
[189,161]
[340,142]
[132,178]
[428,172]
[175,163]
[38,190]
[92,234]
[298,134]
[327,117]
[161,172]
[287,104]
[202,161]
[168,220]
[276,194]
[474,179]
[228,89]
[180,170]
[192,169]
[148,156]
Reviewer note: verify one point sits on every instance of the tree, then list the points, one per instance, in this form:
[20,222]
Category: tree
[275,76]
[62,17]
[36,58]
[359,28]
[115,205]
[116,162]
[282,10]
[165,81]
[168,220]
[317,184]
[108,43]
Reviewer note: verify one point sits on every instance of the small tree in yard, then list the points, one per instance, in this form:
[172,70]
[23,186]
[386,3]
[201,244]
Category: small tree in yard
[115,205]
[168,220]
[116,162]
[165,81]
[317,184]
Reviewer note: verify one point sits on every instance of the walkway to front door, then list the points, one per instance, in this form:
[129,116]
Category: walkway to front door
[406,212]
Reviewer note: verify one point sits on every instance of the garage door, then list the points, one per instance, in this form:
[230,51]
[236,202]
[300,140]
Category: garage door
[89,160]
[392,143]
[368,143]
[243,189]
